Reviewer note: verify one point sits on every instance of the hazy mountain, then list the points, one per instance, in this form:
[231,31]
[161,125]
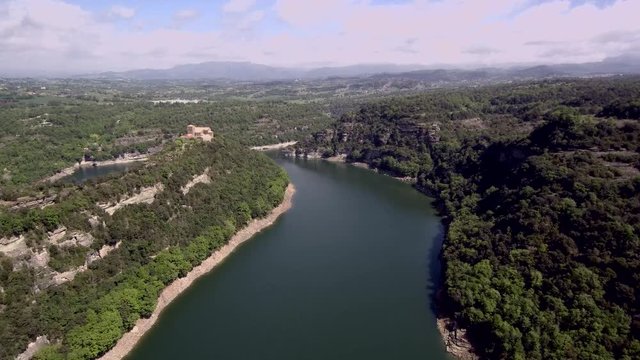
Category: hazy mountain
[247,71]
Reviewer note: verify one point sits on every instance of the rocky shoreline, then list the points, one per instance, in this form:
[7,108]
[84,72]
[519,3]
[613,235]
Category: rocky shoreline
[455,340]
[173,290]
[342,158]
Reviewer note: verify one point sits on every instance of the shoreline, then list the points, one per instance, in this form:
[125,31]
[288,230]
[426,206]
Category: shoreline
[455,339]
[274,146]
[130,339]
[342,158]
[86,164]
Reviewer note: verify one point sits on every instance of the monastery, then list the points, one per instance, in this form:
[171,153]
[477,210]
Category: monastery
[196,132]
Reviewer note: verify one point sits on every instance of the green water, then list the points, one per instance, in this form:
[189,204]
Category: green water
[347,273]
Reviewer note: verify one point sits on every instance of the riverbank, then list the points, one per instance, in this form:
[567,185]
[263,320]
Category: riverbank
[85,164]
[173,290]
[342,158]
[455,340]
[274,146]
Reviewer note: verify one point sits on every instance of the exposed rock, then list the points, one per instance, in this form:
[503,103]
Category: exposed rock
[455,339]
[14,246]
[94,221]
[61,278]
[93,256]
[82,239]
[74,238]
[33,348]
[40,259]
[30,202]
[146,195]
[198,179]
[56,235]
[337,158]
[106,249]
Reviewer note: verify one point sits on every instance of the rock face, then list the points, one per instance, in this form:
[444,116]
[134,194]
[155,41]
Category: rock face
[145,196]
[455,340]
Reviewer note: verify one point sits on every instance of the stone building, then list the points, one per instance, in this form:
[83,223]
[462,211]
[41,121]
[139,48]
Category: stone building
[196,132]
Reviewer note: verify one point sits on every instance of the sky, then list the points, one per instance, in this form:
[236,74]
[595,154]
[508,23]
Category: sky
[83,36]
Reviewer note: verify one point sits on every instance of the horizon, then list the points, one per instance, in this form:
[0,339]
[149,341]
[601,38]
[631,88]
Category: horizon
[71,37]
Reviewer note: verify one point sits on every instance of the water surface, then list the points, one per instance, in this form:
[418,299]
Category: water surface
[347,273]
[86,173]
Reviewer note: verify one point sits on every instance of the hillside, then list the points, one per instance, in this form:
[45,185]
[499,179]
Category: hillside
[82,270]
[539,185]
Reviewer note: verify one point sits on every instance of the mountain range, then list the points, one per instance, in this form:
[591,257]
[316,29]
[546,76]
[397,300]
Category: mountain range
[247,71]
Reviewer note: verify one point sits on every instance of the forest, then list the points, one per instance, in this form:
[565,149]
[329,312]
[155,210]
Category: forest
[37,141]
[149,244]
[539,187]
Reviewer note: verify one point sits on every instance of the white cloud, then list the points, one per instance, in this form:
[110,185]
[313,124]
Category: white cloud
[237,6]
[122,12]
[185,15]
[250,19]
[182,17]
[58,36]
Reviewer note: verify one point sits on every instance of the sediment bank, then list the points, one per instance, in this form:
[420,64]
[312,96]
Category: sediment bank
[173,290]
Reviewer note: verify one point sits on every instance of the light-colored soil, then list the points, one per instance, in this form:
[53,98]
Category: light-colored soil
[130,339]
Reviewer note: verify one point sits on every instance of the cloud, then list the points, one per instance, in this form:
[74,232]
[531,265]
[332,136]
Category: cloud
[58,36]
[122,12]
[249,20]
[617,37]
[182,17]
[481,50]
[185,15]
[238,6]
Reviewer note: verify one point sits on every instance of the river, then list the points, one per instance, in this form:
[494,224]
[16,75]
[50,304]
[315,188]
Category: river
[347,273]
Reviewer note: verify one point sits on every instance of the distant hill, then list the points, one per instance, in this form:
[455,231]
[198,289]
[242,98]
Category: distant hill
[247,71]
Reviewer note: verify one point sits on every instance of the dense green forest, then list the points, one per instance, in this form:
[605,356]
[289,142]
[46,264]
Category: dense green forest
[539,186]
[150,243]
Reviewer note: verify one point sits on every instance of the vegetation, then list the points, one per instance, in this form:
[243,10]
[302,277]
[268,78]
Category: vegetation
[539,184]
[38,141]
[159,242]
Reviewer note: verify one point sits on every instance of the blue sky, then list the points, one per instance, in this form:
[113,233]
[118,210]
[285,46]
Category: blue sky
[92,35]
